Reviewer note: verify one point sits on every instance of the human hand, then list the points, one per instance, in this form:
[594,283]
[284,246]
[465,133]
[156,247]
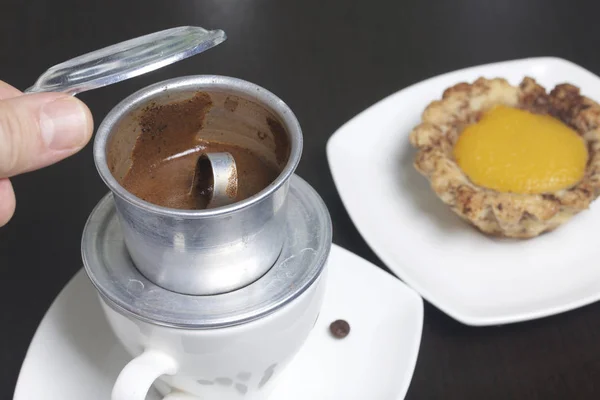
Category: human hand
[37,130]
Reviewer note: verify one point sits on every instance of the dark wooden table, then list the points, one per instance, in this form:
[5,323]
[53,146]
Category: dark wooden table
[328,60]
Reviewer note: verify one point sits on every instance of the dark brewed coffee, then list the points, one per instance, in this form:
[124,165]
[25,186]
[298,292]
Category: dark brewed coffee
[165,153]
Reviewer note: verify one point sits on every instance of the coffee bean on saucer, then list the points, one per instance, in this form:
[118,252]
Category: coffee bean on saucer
[340,328]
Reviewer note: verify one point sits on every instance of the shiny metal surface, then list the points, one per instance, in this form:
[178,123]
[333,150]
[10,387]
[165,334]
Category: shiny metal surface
[216,179]
[307,233]
[127,59]
[202,252]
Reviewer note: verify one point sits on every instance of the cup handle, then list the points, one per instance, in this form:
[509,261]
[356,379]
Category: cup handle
[137,377]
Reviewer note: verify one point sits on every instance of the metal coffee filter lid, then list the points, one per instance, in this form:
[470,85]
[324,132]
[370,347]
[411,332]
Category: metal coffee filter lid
[127,59]
[308,241]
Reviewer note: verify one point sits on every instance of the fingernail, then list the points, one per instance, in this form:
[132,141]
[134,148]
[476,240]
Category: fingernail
[63,124]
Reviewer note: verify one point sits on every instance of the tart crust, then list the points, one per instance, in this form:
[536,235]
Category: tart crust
[504,213]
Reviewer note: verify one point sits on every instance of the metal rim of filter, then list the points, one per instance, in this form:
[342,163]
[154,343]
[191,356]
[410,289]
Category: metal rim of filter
[199,83]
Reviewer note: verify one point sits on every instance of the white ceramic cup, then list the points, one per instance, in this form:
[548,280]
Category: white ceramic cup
[231,363]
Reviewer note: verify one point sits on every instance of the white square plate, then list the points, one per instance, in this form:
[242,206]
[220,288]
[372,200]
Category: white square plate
[473,278]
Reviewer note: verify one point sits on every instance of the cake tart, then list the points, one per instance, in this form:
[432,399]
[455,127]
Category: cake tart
[514,161]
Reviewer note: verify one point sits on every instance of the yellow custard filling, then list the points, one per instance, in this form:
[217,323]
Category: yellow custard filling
[512,150]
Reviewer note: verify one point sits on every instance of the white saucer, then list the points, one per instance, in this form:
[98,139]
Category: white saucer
[473,278]
[74,355]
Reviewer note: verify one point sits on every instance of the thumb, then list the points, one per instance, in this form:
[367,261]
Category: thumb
[40,129]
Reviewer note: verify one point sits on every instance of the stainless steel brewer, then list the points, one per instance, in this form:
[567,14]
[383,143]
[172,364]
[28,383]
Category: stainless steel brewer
[203,252]
[193,252]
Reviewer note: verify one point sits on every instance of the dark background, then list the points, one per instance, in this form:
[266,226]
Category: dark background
[328,60]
